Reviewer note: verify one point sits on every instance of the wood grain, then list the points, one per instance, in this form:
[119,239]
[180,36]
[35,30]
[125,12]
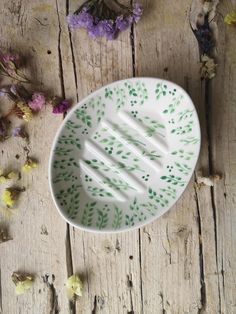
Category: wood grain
[39,234]
[110,263]
[185,262]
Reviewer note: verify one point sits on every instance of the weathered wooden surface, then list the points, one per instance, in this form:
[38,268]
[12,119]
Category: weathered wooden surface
[183,263]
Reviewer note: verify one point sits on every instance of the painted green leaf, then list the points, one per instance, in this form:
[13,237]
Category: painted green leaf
[117,222]
[173,180]
[88,214]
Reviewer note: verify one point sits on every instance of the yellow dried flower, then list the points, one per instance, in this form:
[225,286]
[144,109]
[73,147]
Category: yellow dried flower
[12,175]
[29,165]
[2,179]
[26,111]
[74,287]
[9,176]
[23,282]
[7,198]
[230,18]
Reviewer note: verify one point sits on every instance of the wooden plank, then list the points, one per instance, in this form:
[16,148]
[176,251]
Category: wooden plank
[165,38]
[222,129]
[32,29]
[109,263]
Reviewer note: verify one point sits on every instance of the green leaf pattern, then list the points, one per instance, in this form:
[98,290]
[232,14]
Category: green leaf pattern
[64,164]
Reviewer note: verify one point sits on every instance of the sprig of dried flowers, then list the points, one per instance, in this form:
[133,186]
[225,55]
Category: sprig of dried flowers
[74,287]
[25,104]
[104,18]
[205,37]
[23,282]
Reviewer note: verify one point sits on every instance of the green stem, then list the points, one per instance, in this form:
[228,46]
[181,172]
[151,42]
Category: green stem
[121,5]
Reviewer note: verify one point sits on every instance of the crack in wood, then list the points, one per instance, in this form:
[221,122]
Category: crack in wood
[72,53]
[117,247]
[38,20]
[140,267]
[196,12]
[84,254]
[130,286]
[208,104]
[132,41]
[148,234]
[201,259]
[223,275]
[0,292]
[94,310]
[69,263]
[60,54]
[54,306]
[162,303]
[98,304]
[168,240]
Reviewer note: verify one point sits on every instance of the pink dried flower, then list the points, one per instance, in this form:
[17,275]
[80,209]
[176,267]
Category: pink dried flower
[37,102]
[10,58]
[61,107]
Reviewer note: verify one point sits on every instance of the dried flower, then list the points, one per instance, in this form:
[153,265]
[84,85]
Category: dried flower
[10,195]
[207,6]
[19,132]
[83,19]
[23,282]
[206,181]
[10,58]
[16,132]
[23,111]
[7,198]
[230,18]
[37,102]
[9,66]
[137,12]
[8,176]
[29,165]
[204,36]
[102,20]
[74,287]
[208,67]
[2,180]
[123,22]
[61,107]
[4,236]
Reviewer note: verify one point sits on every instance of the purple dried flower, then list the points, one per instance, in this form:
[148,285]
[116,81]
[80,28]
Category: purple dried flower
[137,12]
[61,107]
[3,91]
[95,30]
[122,23]
[16,132]
[108,29]
[83,19]
[13,89]
[101,20]
[8,59]
[37,102]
